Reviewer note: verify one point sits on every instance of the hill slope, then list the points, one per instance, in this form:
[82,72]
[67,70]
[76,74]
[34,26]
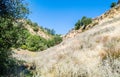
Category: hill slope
[109,14]
[33,37]
[92,53]
[35,29]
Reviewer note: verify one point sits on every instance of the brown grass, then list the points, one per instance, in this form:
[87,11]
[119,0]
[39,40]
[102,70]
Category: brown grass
[93,53]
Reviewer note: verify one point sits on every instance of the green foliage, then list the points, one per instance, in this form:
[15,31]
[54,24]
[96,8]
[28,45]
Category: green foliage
[57,39]
[83,22]
[36,29]
[78,25]
[22,36]
[29,22]
[8,37]
[10,10]
[14,9]
[33,25]
[50,31]
[50,43]
[113,4]
[24,47]
[35,43]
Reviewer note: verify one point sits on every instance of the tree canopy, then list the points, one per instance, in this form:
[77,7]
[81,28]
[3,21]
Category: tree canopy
[10,10]
[83,22]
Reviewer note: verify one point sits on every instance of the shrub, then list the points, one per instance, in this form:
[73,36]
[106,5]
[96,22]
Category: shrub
[34,25]
[113,4]
[57,39]
[10,10]
[54,41]
[50,43]
[24,47]
[22,36]
[78,25]
[29,22]
[34,43]
[36,29]
[50,31]
[83,22]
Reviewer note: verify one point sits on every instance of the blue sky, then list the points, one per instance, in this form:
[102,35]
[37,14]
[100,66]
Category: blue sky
[61,15]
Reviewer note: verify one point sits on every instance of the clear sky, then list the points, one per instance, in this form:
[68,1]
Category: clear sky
[61,15]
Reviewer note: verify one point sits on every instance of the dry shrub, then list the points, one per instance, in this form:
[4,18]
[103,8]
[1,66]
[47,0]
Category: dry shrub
[112,47]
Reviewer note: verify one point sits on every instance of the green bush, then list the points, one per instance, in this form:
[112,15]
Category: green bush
[78,25]
[50,43]
[113,4]
[22,36]
[36,29]
[50,31]
[83,22]
[34,43]
[29,22]
[10,10]
[24,47]
[57,39]
[34,25]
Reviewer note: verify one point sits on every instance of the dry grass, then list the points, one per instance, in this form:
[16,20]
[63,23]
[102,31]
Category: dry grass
[93,53]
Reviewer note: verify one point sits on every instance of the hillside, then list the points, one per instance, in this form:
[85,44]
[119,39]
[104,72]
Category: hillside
[35,29]
[94,52]
[33,37]
[109,14]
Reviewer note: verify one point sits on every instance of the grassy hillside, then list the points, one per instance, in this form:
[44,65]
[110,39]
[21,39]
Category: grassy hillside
[34,37]
[92,53]
[114,11]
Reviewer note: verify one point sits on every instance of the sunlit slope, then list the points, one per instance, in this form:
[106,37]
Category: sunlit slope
[92,53]
[36,29]
[109,14]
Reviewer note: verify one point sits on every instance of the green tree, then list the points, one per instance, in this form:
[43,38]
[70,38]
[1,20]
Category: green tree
[35,43]
[57,39]
[78,25]
[83,22]
[10,10]
[113,4]
[50,31]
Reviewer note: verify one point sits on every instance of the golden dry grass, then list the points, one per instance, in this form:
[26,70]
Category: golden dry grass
[93,53]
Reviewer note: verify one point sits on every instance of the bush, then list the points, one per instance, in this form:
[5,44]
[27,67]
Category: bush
[24,47]
[50,31]
[36,29]
[22,36]
[83,22]
[34,43]
[113,4]
[10,10]
[57,39]
[50,43]
[29,22]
